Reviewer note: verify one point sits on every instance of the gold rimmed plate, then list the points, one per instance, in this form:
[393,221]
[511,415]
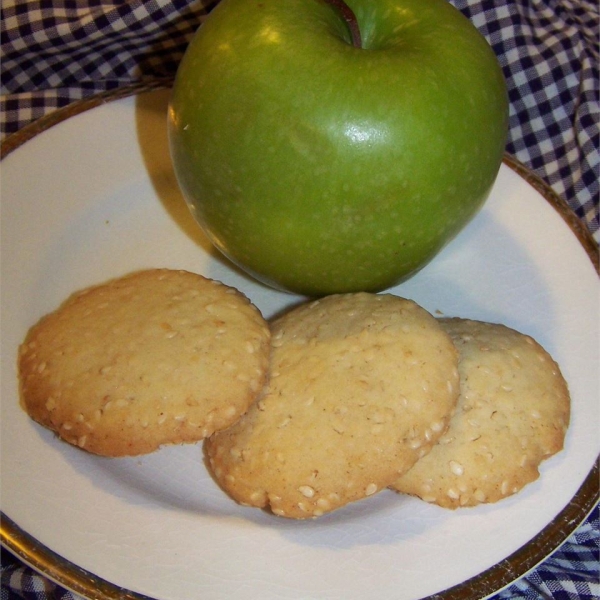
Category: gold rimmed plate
[89,194]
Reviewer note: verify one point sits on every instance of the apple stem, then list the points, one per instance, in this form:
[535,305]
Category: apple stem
[350,18]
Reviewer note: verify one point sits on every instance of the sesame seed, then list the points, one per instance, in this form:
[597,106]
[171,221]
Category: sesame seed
[323,504]
[370,489]
[456,467]
[504,488]
[437,426]
[258,496]
[479,495]
[306,491]
[452,493]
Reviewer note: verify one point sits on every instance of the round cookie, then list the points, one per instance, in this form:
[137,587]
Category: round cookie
[156,357]
[361,386]
[512,413]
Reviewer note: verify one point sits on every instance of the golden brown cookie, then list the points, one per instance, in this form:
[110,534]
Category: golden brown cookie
[156,357]
[361,385]
[512,413]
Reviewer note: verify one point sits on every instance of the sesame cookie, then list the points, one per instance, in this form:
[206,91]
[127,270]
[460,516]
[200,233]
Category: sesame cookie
[156,357]
[361,386]
[512,413]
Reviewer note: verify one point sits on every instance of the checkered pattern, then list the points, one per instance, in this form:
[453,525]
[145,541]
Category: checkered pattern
[549,52]
[54,53]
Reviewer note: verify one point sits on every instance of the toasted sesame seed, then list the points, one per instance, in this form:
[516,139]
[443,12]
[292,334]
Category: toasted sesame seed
[67,425]
[278,511]
[456,467]
[479,495]
[323,504]
[452,493]
[50,403]
[81,440]
[41,367]
[257,496]
[370,489]
[306,491]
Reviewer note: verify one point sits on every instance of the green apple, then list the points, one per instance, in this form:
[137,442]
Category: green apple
[323,163]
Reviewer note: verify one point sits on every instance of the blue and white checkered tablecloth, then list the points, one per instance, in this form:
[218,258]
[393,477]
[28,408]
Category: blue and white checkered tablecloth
[54,53]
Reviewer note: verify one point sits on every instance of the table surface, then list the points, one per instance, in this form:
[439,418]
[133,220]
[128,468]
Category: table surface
[54,54]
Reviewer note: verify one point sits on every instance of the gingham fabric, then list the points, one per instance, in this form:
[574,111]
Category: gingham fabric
[56,52]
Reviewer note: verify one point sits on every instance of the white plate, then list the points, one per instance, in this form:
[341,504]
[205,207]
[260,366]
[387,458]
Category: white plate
[95,197]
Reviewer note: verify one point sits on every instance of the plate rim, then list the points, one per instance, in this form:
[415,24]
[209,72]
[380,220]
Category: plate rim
[89,585]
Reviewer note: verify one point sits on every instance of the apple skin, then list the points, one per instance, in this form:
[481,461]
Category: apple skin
[321,168]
